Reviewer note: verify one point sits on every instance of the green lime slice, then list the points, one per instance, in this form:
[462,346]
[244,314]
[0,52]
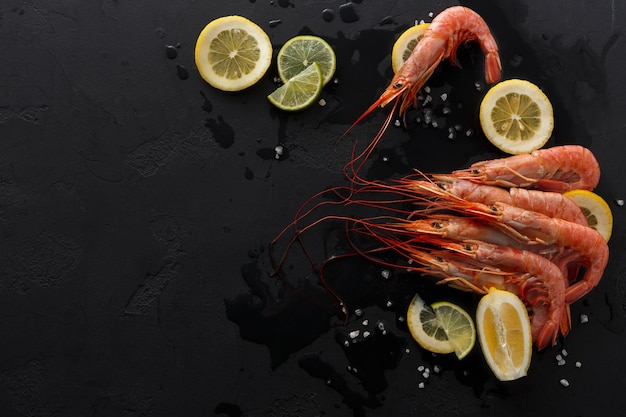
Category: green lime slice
[300,91]
[300,52]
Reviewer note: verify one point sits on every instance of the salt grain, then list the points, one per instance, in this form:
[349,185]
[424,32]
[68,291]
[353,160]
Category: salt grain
[421,368]
[397,123]
[444,96]
[354,333]
[366,322]
[385,273]
[619,202]
[578,364]
[421,385]
[430,14]
[564,382]
[436,369]
[564,352]
[322,102]
[584,318]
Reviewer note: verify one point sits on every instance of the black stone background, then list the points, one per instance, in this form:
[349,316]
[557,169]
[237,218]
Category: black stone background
[137,203]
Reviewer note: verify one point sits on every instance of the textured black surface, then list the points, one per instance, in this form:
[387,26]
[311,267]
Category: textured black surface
[137,203]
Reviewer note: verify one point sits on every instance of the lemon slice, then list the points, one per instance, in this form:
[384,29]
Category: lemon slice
[504,334]
[405,44]
[595,209]
[300,91]
[232,53]
[442,328]
[300,52]
[516,116]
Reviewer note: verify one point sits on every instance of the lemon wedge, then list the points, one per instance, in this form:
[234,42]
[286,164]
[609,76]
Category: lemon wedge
[595,209]
[504,334]
[441,328]
[405,44]
[516,116]
[232,53]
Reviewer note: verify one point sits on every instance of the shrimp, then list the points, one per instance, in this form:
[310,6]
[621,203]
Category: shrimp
[558,169]
[574,243]
[548,203]
[481,265]
[449,29]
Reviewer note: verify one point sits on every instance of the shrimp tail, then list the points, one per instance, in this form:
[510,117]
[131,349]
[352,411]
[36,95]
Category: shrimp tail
[493,67]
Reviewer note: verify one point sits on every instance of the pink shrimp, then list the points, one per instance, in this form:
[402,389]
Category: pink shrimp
[535,279]
[559,169]
[449,29]
[574,243]
[548,203]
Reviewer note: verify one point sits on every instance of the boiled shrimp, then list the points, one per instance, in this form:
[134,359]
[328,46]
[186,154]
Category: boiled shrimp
[572,242]
[542,285]
[558,169]
[448,30]
[548,203]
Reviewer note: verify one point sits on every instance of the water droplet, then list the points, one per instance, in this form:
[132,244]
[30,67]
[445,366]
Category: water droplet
[182,72]
[328,15]
[171,52]
[347,13]
[387,20]
[160,33]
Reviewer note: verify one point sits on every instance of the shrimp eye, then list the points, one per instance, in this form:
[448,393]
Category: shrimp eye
[439,259]
[494,209]
[398,84]
[474,172]
[436,225]
[468,247]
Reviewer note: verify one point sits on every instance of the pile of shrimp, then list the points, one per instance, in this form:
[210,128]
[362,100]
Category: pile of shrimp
[499,223]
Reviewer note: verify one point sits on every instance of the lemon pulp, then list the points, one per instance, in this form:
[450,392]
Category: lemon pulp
[441,328]
[595,209]
[405,44]
[504,334]
[232,53]
[516,116]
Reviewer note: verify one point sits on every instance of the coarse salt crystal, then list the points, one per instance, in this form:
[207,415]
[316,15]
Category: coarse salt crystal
[619,202]
[385,273]
[564,352]
[426,374]
[421,385]
[366,333]
[564,382]
[561,362]
[427,89]
[430,14]
[578,364]
[397,123]
[420,368]
[366,322]
[322,102]
[444,96]
[584,318]
[354,333]
[436,369]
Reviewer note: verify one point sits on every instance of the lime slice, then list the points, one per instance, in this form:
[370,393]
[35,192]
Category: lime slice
[442,328]
[232,53]
[300,52]
[405,44]
[595,209]
[504,334]
[516,116]
[300,91]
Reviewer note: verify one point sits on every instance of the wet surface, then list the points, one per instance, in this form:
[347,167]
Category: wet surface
[138,204]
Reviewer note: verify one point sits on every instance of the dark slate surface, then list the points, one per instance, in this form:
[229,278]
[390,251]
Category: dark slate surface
[137,203]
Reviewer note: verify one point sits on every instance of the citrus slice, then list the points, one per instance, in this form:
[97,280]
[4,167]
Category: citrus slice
[300,52]
[595,209]
[299,91]
[405,44]
[504,334]
[516,116]
[441,328]
[232,53]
